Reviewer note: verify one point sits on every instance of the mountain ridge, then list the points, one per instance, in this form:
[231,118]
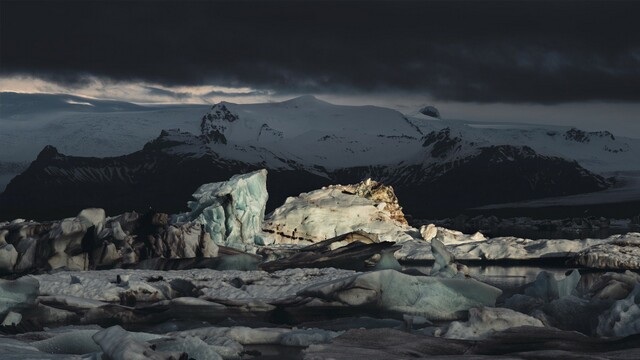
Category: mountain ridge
[433,164]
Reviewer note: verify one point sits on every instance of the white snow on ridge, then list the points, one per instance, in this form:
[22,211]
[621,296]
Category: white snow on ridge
[315,132]
[305,113]
[597,151]
[307,130]
[99,132]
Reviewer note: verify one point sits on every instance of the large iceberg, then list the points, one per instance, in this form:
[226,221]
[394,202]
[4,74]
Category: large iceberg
[231,211]
[340,209]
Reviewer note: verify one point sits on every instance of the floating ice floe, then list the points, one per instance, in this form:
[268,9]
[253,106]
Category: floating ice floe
[547,287]
[389,290]
[486,320]
[621,252]
[501,248]
[118,344]
[623,318]
[17,295]
[447,236]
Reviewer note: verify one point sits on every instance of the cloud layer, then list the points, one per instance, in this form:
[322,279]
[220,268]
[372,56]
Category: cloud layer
[533,52]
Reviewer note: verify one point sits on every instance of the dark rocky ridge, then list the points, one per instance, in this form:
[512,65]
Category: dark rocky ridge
[163,176]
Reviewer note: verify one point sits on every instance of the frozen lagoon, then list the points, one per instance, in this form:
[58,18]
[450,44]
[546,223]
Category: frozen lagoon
[215,283]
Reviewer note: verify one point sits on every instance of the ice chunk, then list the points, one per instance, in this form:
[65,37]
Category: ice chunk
[336,210]
[475,247]
[444,265]
[8,258]
[448,236]
[623,318]
[547,287]
[118,344]
[12,319]
[485,321]
[16,295]
[232,211]
[93,217]
[614,286]
[389,290]
[388,261]
[70,342]
[621,253]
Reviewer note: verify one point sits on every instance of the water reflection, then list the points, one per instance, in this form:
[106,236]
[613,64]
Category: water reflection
[511,278]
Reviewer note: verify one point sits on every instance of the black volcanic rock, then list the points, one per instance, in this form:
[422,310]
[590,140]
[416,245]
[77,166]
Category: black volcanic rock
[53,187]
[48,152]
[503,173]
[430,111]
[441,142]
[582,136]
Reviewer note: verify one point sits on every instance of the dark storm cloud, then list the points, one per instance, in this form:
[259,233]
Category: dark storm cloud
[510,51]
[236,93]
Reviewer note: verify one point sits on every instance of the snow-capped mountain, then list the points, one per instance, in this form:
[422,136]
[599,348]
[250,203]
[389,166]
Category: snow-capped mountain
[435,165]
[318,133]
[80,126]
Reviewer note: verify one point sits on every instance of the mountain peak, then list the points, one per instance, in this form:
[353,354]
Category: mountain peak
[48,152]
[430,110]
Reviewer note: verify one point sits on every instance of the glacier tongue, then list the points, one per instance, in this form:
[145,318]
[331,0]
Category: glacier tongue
[231,211]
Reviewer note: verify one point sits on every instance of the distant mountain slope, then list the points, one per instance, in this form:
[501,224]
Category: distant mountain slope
[170,168]
[437,166]
[84,126]
[81,126]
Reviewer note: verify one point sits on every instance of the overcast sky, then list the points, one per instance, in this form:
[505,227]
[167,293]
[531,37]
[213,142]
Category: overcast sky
[554,62]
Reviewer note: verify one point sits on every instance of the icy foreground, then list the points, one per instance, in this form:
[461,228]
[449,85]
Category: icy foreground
[203,300]
[320,273]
